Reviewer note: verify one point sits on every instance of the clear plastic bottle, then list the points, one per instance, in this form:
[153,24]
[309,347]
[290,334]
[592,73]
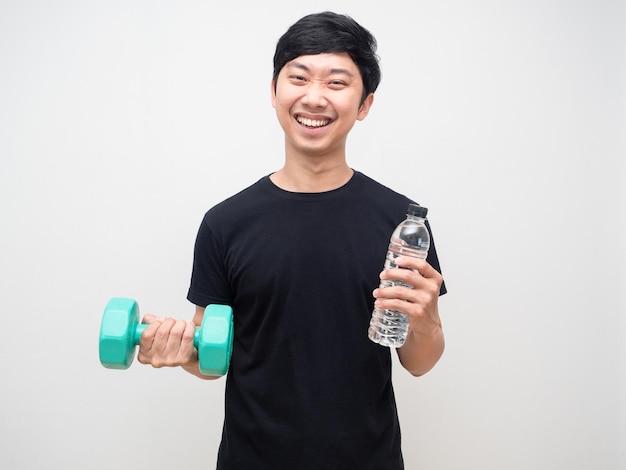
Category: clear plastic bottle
[410,238]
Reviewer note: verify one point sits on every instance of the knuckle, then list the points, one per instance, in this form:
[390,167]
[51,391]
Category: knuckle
[188,336]
[176,332]
[157,363]
[148,334]
[162,333]
[435,287]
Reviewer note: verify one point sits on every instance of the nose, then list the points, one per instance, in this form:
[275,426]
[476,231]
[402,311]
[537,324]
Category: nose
[314,95]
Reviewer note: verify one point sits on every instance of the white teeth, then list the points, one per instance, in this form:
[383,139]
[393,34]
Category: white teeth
[312,122]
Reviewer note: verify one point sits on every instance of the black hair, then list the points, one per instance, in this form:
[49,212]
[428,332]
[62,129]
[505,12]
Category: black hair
[330,32]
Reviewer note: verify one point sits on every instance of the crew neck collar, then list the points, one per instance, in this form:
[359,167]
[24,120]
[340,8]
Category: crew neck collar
[269,185]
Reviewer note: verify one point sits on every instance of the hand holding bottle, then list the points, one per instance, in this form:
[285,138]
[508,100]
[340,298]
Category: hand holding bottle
[419,301]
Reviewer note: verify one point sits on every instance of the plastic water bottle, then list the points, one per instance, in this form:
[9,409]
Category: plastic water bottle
[410,238]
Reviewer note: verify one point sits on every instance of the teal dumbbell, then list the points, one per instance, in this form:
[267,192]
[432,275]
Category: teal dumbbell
[120,332]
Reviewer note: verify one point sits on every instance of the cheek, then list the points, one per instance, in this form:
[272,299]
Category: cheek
[278,100]
[283,105]
[281,108]
[282,114]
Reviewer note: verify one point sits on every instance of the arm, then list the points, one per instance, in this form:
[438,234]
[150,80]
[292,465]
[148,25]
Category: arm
[425,341]
[169,343]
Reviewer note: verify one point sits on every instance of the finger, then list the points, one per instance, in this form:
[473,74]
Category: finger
[180,343]
[421,290]
[187,348]
[168,340]
[417,264]
[408,301]
[189,335]
[146,341]
[392,292]
[162,335]
[406,277]
[150,318]
[153,341]
[428,279]
[394,304]
[180,347]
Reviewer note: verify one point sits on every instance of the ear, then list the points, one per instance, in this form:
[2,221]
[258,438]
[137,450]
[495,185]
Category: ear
[365,107]
[273,91]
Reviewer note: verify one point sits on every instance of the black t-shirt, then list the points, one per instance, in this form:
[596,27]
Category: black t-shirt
[306,388]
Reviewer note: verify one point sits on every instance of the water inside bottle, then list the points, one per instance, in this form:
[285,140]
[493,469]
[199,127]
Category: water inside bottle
[389,327]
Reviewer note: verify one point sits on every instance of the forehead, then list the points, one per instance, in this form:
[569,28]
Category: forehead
[325,64]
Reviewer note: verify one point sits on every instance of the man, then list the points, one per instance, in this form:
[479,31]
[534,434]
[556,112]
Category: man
[297,256]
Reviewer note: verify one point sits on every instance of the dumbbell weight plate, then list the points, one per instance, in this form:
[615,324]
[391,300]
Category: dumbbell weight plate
[215,340]
[118,332]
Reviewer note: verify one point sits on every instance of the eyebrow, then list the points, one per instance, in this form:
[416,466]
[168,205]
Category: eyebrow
[332,71]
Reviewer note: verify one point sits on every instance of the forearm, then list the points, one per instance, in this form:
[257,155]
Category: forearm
[421,352]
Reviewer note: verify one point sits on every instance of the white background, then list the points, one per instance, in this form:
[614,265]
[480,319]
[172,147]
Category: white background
[122,122]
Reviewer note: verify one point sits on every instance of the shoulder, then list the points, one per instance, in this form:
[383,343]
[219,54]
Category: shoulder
[376,194]
[243,201]
[371,184]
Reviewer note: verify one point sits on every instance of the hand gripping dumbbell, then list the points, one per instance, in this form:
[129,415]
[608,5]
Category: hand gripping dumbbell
[120,332]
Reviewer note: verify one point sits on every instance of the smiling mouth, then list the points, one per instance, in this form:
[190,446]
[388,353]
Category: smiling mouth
[312,123]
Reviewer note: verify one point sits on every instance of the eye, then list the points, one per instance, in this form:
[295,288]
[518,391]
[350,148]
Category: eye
[297,79]
[337,84]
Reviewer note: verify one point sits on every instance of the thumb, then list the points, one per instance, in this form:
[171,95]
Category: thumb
[149,318]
